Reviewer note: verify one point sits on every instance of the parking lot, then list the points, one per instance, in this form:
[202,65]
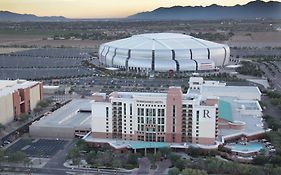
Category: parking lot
[55,53]
[44,148]
[45,63]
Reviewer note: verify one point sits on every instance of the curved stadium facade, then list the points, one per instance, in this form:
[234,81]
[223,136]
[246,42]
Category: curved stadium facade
[162,52]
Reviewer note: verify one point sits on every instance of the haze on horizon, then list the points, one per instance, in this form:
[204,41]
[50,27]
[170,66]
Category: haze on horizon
[100,8]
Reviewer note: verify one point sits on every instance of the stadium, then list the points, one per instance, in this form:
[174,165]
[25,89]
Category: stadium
[163,52]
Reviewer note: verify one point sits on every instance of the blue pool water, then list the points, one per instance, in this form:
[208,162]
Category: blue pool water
[249,147]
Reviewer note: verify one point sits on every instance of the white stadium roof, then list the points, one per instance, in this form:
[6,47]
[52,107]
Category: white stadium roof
[163,52]
[162,41]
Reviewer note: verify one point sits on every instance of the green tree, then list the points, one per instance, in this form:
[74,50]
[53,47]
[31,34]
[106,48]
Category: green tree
[132,159]
[193,172]
[174,158]
[74,155]
[2,126]
[260,160]
[24,117]
[180,164]
[91,157]
[17,156]
[116,163]
[165,151]
[174,171]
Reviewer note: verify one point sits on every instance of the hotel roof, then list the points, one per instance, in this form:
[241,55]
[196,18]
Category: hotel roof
[69,116]
[253,123]
[230,89]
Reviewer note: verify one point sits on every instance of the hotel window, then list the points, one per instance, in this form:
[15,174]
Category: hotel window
[163,112]
[124,108]
[159,128]
[154,121]
[174,110]
[153,112]
[138,111]
[197,115]
[131,109]
[142,111]
[106,111]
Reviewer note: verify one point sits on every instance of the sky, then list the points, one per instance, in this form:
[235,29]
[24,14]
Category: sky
[100,8]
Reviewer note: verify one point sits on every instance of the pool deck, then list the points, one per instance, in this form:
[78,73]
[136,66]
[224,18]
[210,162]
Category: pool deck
[250,147]
[129,144]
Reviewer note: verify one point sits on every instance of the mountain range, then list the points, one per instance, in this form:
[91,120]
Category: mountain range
[10,16]
[252,10]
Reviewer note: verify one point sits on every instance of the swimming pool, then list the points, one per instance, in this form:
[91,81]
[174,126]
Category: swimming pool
[249,147]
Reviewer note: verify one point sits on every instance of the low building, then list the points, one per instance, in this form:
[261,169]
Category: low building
[18,97]
[72,119]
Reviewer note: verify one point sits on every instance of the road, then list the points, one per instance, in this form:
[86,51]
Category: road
[275,78]
[61,171]
[59,158]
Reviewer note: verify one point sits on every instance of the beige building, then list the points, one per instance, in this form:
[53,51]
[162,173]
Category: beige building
[17,97]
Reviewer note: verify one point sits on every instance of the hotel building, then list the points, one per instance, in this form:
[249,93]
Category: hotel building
[171,117]
[209,114]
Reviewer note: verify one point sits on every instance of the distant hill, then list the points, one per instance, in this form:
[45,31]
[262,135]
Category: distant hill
[10,16]
[252,10]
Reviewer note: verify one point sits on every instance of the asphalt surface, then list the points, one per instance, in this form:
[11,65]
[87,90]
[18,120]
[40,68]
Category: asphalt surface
[60,171]
[59,158]
[275,78]
[144,166]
